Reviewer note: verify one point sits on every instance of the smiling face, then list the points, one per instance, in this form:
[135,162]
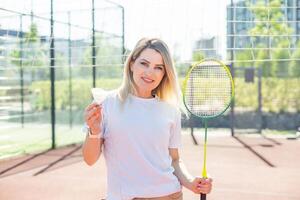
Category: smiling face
[148,70]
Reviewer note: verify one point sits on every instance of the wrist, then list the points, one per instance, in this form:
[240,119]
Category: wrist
[189,183]
[93,134]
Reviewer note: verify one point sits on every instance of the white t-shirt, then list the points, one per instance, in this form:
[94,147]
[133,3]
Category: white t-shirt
[136,145]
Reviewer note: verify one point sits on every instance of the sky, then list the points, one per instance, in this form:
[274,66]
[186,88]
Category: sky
[178,22]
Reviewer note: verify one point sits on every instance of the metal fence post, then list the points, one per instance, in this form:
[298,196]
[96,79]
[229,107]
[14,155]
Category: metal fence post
[70,70]
[232,65]
[52,77]
[21,71]
[260,117]
[93,44]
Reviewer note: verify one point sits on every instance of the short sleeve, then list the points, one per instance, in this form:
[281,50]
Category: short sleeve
[175,134]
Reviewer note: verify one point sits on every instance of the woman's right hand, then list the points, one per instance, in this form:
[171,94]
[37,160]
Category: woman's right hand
[93,117]
[200,185]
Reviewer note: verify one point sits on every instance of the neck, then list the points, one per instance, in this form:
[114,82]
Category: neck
[146,95]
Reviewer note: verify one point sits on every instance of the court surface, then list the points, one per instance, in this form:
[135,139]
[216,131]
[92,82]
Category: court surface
[244,167]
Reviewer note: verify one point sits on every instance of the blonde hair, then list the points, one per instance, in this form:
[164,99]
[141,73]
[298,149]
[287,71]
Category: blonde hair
[168,90]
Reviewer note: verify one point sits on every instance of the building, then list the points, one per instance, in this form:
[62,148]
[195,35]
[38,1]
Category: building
[208,46]
[10,40]
[240,20]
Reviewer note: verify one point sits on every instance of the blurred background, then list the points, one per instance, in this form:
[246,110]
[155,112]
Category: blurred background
[53,52]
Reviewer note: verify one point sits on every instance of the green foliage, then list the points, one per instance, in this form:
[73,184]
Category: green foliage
[243,58]
[295,64]
[278,94]
[281,63]
[32,35]
[108,55]
[269,23]
[81,93]
[266,66]
[197,56]
[281,95]
[32,54]
[245,94]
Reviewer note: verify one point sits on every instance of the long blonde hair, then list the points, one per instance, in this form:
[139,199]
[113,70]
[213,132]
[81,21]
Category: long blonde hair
[168,90]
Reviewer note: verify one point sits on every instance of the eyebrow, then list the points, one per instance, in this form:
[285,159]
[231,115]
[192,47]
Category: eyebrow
[149,62]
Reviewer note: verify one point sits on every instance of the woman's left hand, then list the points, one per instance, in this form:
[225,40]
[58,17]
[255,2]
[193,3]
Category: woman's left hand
[200,185]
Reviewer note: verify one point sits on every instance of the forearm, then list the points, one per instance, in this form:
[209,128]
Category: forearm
[181,172]
[91,150]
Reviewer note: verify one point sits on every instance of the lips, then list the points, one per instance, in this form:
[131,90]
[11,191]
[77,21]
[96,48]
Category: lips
[147,80]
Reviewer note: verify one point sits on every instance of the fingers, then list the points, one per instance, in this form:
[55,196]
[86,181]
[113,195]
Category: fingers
[204,188]
[203,180]
[94,123]
[92,111]
[91,106]
[202,185]
[94,115]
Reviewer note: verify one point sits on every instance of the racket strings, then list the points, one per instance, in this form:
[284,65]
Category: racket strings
[208,90]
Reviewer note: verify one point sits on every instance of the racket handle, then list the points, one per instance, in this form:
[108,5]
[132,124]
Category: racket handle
[203,197]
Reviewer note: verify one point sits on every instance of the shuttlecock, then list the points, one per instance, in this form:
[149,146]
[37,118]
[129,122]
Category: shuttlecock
[99,95]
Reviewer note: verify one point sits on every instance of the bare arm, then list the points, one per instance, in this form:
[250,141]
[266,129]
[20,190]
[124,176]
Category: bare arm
[92,147]
[196,184]
[180,170]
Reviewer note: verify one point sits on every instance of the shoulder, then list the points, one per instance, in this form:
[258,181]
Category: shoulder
[110,96]
[109,102]
[169,108]
[109,99]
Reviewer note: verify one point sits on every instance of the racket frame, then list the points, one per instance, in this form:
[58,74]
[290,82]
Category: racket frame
[206,118]
[186,82]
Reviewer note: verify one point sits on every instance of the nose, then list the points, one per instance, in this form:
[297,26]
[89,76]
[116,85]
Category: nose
[149,71]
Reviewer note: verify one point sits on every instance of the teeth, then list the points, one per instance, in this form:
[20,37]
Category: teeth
[147,80]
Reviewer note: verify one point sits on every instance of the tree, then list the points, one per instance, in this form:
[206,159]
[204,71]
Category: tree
[266,66]
[295,64]
[281,58]
[197,56]
[109,58]
[33,54]
[244,58]
[270,24]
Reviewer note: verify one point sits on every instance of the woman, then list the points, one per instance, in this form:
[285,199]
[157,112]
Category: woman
[139,127]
